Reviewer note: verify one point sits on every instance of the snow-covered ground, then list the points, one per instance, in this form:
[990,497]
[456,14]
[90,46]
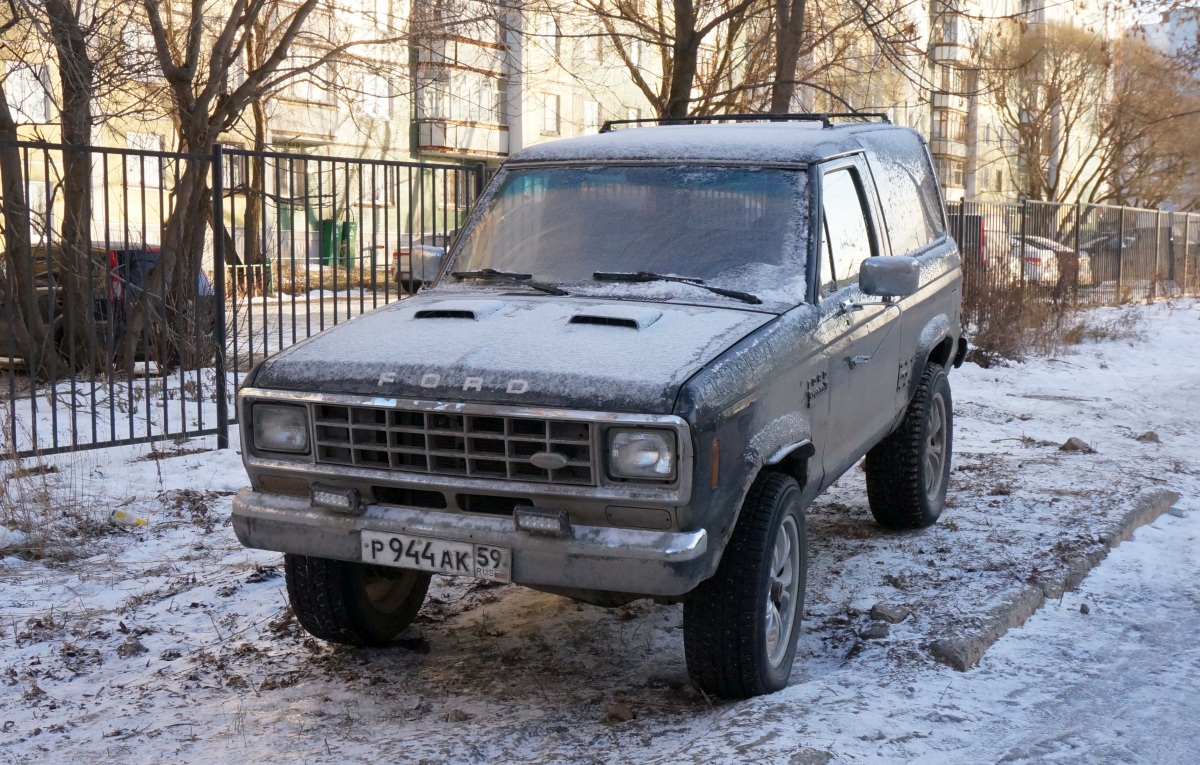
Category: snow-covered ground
[169,642]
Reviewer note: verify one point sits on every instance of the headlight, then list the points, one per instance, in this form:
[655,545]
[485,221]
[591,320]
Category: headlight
[280,428]
[646,454]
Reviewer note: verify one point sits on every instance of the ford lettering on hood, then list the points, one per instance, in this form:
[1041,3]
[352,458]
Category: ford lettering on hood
[583,354]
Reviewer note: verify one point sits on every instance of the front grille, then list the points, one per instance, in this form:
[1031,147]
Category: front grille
[453,444]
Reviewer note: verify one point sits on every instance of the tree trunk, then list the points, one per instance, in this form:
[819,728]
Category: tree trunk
[790,17]
[684,58]
[166,311]
[32,336]
[77,273]
[255,192]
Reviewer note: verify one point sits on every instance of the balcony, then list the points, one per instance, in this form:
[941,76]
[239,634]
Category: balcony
[952,101]
[945,53]
[461,140]
[303,123]
[947,147]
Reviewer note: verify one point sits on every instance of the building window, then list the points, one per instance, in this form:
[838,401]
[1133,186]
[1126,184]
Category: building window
[311,87]
[376,97]
[140,52]
[434,96]
[983,178]
[381,16]
[551,36]
[947,30]
[39,221]
[236,168]
[999,180]
[635,53]
[141,170]
[550,114]
[706,64]
[950,171]
[591,117]
[28,89]
[633,113]
[949,125]
[501,102]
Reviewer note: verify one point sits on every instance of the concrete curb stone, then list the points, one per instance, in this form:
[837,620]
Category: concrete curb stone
[1012,608]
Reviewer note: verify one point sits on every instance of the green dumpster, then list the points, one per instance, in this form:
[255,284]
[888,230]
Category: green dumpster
[339,242]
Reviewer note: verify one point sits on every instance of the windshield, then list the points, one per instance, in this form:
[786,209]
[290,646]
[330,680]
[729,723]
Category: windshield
[734,228]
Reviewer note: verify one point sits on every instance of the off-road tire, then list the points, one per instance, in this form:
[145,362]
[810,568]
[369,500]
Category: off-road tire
[725,619]
[332,601]
[899,466]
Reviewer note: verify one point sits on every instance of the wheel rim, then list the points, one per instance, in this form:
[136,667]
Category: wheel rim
[935,446]
[783,587]
[386,589]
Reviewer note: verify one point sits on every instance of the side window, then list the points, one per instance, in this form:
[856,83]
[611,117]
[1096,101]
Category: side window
[828,283]
[846,234]
[912,207]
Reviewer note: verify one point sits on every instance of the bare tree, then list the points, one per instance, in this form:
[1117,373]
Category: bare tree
[79,40]
[1048,84]
[195,55]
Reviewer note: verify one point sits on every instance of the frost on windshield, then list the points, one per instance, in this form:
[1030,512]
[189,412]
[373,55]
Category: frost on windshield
[737,228]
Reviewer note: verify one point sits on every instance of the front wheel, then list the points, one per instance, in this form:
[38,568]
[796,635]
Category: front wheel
[907,472]
[740,627]
[353,603]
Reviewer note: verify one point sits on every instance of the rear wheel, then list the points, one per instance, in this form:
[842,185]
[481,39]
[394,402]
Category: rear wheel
[907,472]
[353,603]
[740,626]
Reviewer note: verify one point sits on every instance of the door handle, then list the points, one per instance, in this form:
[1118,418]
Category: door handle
[854,361]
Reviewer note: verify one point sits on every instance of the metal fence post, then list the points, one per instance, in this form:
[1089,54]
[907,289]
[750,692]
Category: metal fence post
[1187,233]
[1078,254]
[1120,254]
[219,287]
[1154,276]
[480,176]
[1021,264]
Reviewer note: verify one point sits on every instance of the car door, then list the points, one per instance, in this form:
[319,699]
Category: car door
[865,355]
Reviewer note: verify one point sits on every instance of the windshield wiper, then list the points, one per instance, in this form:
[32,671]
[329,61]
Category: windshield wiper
[509,277]
[647,276]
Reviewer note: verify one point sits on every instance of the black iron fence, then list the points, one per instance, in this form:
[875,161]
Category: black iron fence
[98,347]
[1074,255]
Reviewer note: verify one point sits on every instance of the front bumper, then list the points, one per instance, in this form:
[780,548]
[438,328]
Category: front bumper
[657,563]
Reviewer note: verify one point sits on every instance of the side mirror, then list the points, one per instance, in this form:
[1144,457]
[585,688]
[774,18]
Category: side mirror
[894,276]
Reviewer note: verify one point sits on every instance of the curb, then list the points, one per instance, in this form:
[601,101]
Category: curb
[1013,607]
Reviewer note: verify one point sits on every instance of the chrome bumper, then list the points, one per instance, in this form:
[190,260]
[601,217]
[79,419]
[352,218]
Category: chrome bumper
[595,558]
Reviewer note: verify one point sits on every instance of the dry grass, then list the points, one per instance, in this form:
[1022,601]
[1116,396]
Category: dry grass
[299,281]
[48,506]
[1125,326]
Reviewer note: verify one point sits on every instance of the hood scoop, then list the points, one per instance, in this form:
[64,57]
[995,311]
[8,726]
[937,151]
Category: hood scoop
[472,310]
[627,317]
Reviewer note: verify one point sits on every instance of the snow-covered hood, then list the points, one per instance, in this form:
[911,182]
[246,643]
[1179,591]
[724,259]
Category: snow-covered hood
[578,353]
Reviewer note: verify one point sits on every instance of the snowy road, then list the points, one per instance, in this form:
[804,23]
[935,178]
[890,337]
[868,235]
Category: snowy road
[170,643]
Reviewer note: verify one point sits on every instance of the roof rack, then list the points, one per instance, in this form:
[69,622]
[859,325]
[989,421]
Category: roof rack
[826,119]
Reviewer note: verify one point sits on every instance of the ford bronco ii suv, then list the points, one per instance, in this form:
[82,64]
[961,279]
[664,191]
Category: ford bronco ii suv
[644,356]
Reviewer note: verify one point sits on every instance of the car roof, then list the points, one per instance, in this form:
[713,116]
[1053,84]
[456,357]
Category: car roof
[754,143]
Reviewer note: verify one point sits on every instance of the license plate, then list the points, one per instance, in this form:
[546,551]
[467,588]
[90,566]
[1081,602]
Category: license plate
[438,556]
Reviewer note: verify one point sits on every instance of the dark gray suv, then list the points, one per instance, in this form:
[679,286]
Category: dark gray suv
[646,354]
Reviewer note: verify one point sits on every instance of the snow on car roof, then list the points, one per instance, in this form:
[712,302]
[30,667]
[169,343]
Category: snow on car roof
[782,143]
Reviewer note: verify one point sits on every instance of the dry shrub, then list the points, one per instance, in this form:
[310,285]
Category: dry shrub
[1008,321]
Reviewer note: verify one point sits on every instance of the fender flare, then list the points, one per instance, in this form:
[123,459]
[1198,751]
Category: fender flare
[933,334]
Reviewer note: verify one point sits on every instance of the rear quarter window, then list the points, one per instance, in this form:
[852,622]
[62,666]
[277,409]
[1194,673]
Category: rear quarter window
[908,192]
